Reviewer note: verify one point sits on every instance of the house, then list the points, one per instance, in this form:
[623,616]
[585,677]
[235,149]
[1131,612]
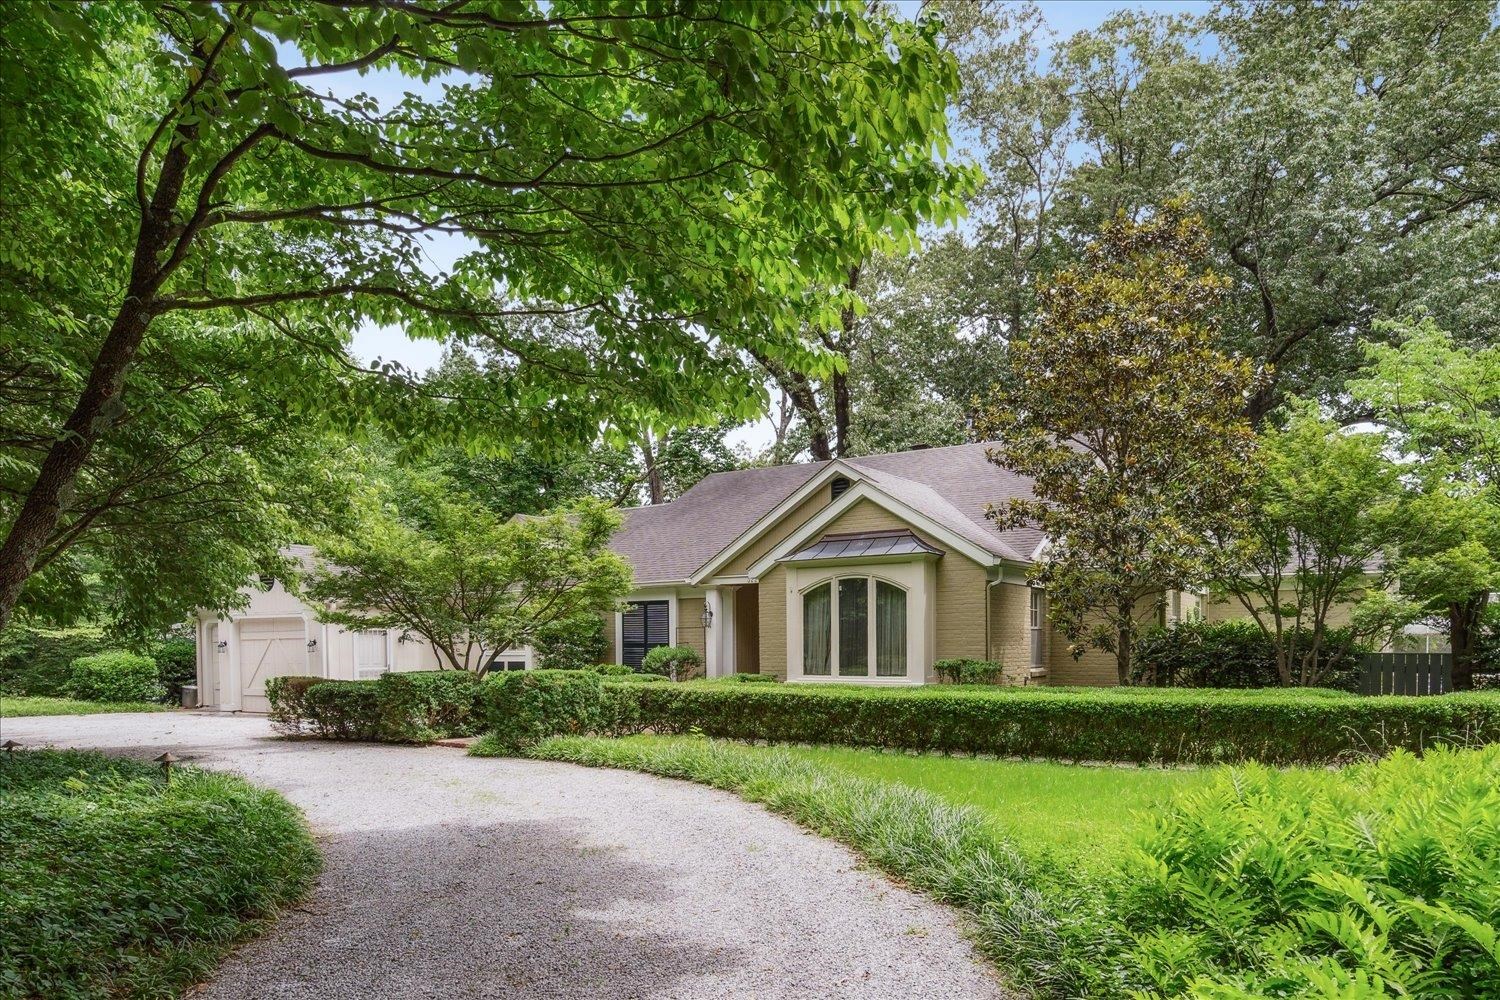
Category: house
[277,634]
[858,570]
[853,571]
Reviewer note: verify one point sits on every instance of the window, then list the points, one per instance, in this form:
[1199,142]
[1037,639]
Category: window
[837,487]
[643,626]
[838,627]
[815,629]
[498,664]
[369,654]
[1038,627]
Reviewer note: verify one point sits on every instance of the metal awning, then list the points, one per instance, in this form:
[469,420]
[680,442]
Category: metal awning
[864,545]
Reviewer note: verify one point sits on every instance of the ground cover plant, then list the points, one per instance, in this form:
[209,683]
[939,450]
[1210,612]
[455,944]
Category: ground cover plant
[118,885]
[14,707]
[1371,882]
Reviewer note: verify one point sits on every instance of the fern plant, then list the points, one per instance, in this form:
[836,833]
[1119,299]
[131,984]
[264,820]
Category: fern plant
[1380,881]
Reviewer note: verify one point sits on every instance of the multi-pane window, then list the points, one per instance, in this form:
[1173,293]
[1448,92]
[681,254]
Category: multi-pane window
[839,627]
[1038,627]
[369,654]
[643,626]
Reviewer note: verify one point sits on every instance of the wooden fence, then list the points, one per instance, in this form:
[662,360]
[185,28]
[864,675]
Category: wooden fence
[1406,673]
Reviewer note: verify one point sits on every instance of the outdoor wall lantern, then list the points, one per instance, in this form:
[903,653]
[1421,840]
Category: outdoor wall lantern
[708,616]
[222,644]
[404,637]
[312,644]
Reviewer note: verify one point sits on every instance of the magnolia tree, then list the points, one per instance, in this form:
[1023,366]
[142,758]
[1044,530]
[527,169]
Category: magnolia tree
[436,563]
[1130,422]
[1315,542]
[1439,403]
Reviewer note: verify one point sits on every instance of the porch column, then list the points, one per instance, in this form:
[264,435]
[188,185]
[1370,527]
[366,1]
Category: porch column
[712,646]
[230,687]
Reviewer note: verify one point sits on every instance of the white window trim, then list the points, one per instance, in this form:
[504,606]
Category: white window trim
[670,596]
[916,578]
[1036,621]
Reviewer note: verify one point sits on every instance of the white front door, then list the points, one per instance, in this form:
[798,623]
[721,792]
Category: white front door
[269,647]
[369,654]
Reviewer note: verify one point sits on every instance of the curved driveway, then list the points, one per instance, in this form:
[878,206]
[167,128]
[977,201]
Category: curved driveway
[453,877]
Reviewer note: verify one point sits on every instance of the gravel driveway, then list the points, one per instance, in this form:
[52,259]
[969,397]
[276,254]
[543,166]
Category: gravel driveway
[454,877]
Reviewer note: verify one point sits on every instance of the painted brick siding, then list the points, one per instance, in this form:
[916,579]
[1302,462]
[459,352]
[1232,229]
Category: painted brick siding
[1010,630]
[611,654]
[690,625]
[773,623]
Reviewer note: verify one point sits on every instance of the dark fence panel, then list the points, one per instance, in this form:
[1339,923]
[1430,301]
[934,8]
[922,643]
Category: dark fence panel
[1406,673]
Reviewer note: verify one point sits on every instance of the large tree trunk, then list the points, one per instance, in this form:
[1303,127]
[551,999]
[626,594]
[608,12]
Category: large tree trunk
[840,383]
[100,405]
[1463,637]
[1123,641]
[651,450]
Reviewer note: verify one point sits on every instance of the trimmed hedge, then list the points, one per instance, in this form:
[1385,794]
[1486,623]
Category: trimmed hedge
[114,676]
[416,707]
[523,708]
[676,662]
[34,660]
[1134,726]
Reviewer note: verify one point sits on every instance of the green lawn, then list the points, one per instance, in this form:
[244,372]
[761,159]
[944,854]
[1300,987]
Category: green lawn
[13,707]
[1073,810]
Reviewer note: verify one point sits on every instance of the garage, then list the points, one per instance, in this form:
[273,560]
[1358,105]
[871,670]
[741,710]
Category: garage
[269,647]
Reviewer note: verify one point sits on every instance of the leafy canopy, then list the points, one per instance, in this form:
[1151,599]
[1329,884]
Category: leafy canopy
[1127,417]
[1318,537]
[683,181]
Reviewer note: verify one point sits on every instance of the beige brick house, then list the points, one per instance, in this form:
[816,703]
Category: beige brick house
[863,570]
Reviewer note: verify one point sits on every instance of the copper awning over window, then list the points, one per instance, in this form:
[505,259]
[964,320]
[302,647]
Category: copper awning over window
[864,545]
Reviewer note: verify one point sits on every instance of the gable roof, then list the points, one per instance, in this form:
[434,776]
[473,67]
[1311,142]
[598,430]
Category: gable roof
[669,543]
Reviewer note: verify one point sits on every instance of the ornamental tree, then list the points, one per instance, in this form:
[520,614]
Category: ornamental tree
[686,180]
[429,560]
[1317,539]
[1130,423]
[1439,404]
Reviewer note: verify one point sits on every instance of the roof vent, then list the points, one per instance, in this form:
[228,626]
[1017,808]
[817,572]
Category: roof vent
[840,485]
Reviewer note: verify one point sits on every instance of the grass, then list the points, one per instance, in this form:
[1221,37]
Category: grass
[119,886]
[15,707]
[1079,813]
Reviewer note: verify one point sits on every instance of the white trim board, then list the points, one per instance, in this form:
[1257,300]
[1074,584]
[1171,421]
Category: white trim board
[868,491]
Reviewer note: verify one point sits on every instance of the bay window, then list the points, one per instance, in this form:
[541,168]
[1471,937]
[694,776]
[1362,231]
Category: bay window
[839,628]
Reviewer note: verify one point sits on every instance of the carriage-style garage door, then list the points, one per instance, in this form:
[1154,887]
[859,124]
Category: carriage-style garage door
[269,647]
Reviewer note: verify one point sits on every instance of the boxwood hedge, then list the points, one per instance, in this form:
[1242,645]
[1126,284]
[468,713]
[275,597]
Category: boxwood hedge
[416,707]
[1136,726]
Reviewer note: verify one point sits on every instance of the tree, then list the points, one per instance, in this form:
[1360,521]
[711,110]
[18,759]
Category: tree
[430,560]
[1439,404]
[631,167]
[1318,537]
[1127,418]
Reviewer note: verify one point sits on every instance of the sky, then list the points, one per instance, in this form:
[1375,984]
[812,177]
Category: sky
[372,343]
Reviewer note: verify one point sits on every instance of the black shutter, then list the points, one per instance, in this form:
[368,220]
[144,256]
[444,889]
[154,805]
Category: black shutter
[643,626]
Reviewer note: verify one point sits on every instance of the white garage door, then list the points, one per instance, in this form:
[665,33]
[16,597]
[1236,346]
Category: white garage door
[269,647]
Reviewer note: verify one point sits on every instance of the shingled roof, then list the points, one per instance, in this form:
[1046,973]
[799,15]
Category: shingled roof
[668,543]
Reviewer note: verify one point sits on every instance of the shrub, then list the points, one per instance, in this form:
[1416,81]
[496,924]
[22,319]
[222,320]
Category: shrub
[176,659]
[116,886]
[677,662]
[34,660]
[416,707]
[1227,654]
[114,676]
[1136,726]
[611,669]
[571,643]
[523,708]
[748,679]
[969,671]
[1313,884]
